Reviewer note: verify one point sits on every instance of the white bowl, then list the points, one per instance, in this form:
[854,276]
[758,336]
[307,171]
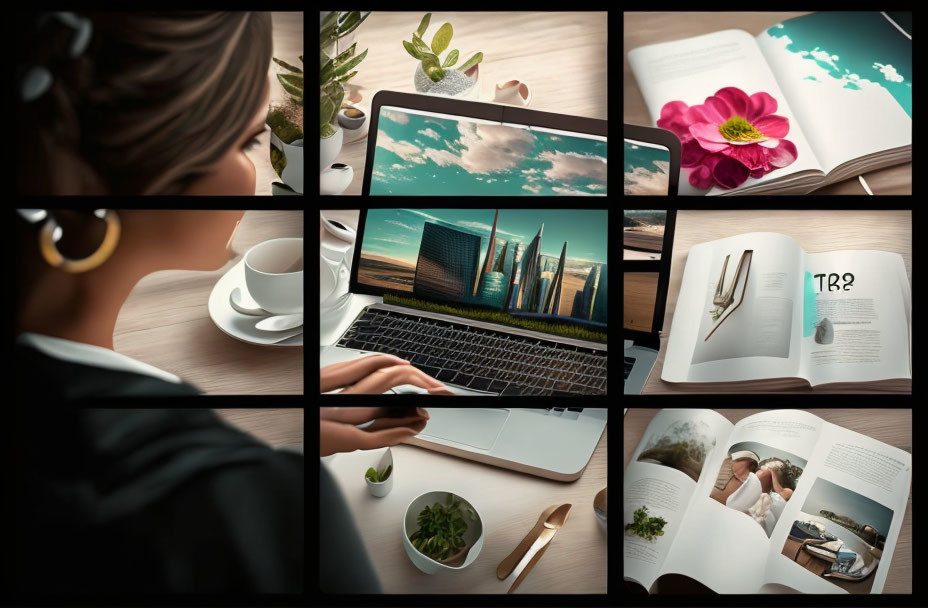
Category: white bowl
[473,537]
[382,488]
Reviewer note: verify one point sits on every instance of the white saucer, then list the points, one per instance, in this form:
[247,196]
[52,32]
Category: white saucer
[235,324]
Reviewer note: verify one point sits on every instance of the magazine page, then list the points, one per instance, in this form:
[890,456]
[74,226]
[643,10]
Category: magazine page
[659,483]
[739,503]
[692,70]
[738,313]
[855,324]
[852,99]
[838,532]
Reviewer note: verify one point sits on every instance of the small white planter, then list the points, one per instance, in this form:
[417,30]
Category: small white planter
[292,174]
[329,148]
[383,488]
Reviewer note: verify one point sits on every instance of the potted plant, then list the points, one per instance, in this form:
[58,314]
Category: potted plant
[431,77]
[334,71]
[286,123]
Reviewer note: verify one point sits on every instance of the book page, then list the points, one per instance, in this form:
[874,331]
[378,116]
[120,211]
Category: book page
[738,313]
[737,506]
[693,69]
[855,324]
[838,533]
[848,77]
[661,478]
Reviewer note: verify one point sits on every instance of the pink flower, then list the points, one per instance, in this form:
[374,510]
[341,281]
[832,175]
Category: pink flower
[730,137]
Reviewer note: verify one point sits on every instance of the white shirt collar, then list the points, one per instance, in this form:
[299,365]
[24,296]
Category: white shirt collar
[88,354]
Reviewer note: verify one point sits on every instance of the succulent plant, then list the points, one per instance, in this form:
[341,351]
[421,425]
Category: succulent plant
[430,55]
[336,71]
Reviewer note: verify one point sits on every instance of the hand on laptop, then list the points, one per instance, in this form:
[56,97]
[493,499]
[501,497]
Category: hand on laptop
[338,433]
[375,375]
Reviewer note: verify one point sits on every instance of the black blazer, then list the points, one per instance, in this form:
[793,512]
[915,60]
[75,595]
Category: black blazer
[151,501]
[45,378]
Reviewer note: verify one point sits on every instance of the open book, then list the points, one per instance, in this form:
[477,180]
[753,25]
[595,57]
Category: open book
[781,499]
[848,102]
[756,306]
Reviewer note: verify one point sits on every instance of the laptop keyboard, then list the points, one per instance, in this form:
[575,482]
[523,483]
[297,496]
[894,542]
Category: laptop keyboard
[629,363]
[480,359]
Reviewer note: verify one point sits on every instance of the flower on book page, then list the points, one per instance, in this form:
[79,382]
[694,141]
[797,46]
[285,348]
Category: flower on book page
[729,137]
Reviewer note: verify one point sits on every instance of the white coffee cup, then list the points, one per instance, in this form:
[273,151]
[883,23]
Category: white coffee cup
[274,275]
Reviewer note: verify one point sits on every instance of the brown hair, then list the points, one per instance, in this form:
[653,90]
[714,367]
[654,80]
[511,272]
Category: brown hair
[154,101]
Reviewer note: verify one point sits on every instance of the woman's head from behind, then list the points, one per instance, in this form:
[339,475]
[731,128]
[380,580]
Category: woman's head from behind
[157,103]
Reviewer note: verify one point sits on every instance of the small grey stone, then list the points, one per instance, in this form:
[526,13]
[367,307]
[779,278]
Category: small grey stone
[454,82]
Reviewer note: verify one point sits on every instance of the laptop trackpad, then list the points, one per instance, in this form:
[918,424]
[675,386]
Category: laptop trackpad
[476,427]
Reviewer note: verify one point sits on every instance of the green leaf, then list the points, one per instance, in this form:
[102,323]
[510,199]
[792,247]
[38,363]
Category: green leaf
[346,54]
[345,28]
[326,130]
[442,38]
[371,474]
[347,20]
[451,59]
[450,499]
[384,475]
[294,79]
[291,67]
[424,24]
[327,28]
[350,64]
[326,72]
[347,77]
[412,50]
[291,88]
[432,68]
[477,58]
[422,47]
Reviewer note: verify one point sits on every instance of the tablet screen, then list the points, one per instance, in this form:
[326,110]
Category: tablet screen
[427,153]
[647,168]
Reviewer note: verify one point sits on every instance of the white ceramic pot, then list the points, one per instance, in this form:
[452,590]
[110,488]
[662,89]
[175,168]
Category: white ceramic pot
[382,488]
[473,537]
[329,149]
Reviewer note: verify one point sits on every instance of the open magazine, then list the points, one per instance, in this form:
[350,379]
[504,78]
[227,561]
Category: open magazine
[781,499]
[820,104]
[756,306]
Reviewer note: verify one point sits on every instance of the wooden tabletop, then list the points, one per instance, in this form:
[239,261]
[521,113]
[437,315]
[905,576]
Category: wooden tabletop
[816,231]
[561,56]
[509,504]
[165,322]
[281,428]
[288,46]
[891,426]
[651,28]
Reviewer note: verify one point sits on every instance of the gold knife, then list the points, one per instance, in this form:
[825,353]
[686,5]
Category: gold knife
[553,523]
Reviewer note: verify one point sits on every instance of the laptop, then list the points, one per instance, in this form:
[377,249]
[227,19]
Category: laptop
[489,301]
[647,243]
[652,161]
[555,442]
[432,145]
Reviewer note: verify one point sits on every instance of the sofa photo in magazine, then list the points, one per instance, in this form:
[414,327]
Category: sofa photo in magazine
[802,504]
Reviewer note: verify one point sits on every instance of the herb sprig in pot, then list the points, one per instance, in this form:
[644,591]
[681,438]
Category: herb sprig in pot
[441,529]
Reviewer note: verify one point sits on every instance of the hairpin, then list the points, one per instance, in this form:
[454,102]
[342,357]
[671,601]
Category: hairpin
[37,79]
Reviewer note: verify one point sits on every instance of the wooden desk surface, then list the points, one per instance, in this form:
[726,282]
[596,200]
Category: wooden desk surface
[278,427]
[816,231]
[562,57]
[891,426]
[509,504]
[650,28]
[165,323]
[288,46]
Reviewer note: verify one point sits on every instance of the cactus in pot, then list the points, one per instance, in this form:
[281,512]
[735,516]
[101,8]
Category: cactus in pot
[435,75]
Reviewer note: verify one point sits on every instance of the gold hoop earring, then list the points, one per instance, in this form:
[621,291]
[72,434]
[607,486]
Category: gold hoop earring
[47,239]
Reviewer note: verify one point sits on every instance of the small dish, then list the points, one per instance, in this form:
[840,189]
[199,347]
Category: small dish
[473,537]
[351,117]
[233,323]
[382,488]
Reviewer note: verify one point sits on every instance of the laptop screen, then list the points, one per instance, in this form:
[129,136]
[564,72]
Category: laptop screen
[426,153]
[539,269]
[647,168]
[643,234]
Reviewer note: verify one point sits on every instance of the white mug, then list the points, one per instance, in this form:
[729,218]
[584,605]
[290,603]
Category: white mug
[274,275]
